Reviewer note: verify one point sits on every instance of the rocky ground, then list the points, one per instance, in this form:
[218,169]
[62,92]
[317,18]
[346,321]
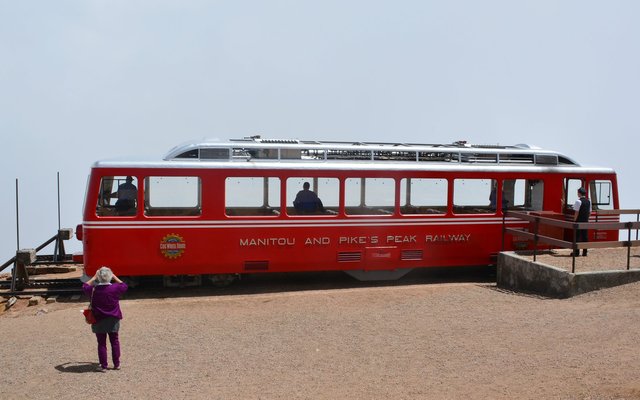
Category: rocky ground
[323,336]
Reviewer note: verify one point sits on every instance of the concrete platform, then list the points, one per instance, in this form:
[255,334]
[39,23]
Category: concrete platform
[521,274]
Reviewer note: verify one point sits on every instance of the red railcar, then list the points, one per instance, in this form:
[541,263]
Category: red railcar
[218,209]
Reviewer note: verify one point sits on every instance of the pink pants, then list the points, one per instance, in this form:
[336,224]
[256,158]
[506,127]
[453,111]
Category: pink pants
[102,348]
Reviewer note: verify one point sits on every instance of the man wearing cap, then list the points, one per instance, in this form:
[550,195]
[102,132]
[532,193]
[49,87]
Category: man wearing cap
[582,210]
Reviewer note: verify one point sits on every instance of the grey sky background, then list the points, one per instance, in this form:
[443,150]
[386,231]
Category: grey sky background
[87,80]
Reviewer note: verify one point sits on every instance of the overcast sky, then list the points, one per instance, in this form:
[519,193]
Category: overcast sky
[87,80]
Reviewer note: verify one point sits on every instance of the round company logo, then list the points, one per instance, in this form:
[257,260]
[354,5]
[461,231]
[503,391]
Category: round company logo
[172,246]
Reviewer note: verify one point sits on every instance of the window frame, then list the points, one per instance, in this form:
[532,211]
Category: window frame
[406,196]
[475,208]
[266,209]
[382,210]
[170,211]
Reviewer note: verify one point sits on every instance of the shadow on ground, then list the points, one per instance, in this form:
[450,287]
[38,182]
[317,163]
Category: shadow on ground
[152,287]
[306,281]
[77,367]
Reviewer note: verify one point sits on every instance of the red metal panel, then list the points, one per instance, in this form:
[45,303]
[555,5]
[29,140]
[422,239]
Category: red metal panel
[214,243]
[383,257]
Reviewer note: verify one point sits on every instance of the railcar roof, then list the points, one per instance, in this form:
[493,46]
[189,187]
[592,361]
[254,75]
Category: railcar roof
[347,166]
[257,153]
[256,149]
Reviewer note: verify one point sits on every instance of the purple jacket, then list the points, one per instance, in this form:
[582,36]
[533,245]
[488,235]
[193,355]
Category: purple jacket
[106,299]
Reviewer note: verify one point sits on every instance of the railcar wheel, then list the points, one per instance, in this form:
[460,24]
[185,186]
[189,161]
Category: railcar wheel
[222,280]
[131,281]
[181,281]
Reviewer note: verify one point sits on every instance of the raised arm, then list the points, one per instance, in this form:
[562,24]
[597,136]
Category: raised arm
[93,279]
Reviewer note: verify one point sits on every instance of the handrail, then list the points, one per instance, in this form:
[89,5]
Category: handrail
[5,265]
[618,212]
[42,246]
[59,252]
[621,212]
[568,224]
[574,226]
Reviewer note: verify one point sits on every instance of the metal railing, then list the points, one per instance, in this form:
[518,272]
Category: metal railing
[537,221]
[635,212]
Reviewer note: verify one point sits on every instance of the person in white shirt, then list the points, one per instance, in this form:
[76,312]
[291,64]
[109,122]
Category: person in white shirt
[581,213]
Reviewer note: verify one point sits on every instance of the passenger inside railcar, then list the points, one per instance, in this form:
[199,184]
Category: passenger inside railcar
[493,197]
[307,201]
[127,194]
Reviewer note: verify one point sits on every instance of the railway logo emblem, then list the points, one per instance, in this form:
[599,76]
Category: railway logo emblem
[172,246]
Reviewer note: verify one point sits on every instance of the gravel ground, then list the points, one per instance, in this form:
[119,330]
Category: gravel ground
[430,339]
[597,260]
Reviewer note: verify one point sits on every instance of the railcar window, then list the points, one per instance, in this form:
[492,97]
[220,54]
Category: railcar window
[523,194]
[214,154]
[118,196]
[250,196]
[369,196]
[474,196]
[423,196]
[601,195]
[571,187]
[189,154]
[320,198]
[172,196]
[313,154]
[290,154]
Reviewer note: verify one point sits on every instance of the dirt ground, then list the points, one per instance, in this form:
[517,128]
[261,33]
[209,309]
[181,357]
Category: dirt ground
[596,260]
[322,336]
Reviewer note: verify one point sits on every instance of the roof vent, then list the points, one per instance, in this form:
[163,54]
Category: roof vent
[279,141]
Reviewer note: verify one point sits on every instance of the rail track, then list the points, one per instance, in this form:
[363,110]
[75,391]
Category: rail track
[43,287]
[22,284]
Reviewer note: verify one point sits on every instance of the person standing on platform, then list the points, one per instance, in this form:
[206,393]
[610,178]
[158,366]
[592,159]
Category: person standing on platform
[582,211]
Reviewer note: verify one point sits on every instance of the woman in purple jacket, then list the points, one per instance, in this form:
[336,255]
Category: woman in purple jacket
[105,303]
